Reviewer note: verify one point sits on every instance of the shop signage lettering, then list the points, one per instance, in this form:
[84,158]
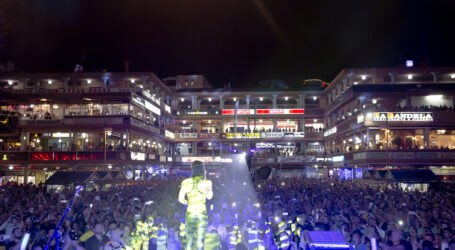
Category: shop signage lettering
[263,111]
[197,112]
[330,131]
[282,134]
[136,156]
[169,134]
[290,159]
[152,108]
[138,101]
[403,116]
[242,135]
[206,159]
[188,135]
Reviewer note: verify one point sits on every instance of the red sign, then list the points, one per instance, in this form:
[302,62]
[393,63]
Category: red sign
[263,111]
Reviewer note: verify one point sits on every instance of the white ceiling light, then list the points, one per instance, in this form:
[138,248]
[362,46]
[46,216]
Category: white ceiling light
[452,76]
[132,80]
[10,82]
[355,83]
[315,98]
[364,77]
[286,98]
[410,77]
[235,99]
[210,99]
[182,99]
[49,82]
[89,81]
[261,99]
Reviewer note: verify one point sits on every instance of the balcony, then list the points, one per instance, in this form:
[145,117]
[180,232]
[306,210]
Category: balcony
[79,157]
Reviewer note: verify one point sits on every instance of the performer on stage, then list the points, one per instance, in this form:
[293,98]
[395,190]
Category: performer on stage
[197,189]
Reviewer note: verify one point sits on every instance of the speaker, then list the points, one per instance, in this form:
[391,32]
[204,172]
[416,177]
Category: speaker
[262,173]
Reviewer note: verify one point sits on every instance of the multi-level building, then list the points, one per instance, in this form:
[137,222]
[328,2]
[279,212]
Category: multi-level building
[140,124]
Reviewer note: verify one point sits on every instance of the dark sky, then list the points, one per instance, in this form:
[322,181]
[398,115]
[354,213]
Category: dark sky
[237,41]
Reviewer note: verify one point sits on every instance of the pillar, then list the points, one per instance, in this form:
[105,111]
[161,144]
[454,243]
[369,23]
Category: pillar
[194,148]
[168,98]
[275,97]
[105,79]
[426,136]
[274,124]
[163,94]
[134,173]
[195,125]
[25,82]
[435,77]
[25,174]
[368,138]
[221,102]
[144,80]
[302,124]
[199,104]
[392,78]
[248,101]
[329,98]
[157,92]
[151,87]
[302,101]
[193,102]
[345,84]
[248,123]
[373,138]
[338,89]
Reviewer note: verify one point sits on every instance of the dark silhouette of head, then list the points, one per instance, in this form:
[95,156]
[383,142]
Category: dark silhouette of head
[198,169]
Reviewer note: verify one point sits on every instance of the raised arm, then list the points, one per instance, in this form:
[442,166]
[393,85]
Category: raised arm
[182,193]
[209,190]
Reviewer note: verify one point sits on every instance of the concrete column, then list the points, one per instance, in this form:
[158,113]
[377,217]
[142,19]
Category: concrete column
[25,174]
[157,92]
[248,101]
[302,101]
[338,88]
[334,94]
[373,138]
[193,102]
[435,77]
[426,136]
[25,81]
[134,172]
[368,138]
[195,125]
[168,98]
[199,104]
[345,84]
[275,97]
[274,124]
[221,102]
[65,82]
[329,98]
[392,78]
[163,94]
[302,124]
[144,81]
[105,79]
[248,123]
[194,148]
[151,87]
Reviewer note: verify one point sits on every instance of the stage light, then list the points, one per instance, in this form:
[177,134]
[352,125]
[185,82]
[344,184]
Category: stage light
[259,186]
[374,101]
[235,144]
[410,77]
[315,120]
[234,204]
[364,77]
[184,122]
[210,144]
[282,184]
[433,97]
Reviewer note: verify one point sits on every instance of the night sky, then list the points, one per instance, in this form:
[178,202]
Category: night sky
[237,41]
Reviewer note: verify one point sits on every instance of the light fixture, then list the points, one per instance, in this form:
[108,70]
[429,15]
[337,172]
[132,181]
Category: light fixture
[89,81]
[32,105]
[37,140]
[86,140]
[374,101]
[410,77]
[286,98]
[452,76]
[209,121]
[154,143]
[132,80]
[289,143]
[109,133]
[182,99]
[315,120]
[235,144]
[44,169]
[355,83]
[235,99]
[184,122]
[148,142]
[315,98]
[261,99]
[10,82]
[433,97]
[124,136]
[55,106]
[409,63]
[210,144]
[59,140]
[11,167]
[210,99]
[364,77]
[109,166]
[260,120]
[49,82]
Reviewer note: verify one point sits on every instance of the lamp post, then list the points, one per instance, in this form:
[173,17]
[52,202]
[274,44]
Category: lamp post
[107,131]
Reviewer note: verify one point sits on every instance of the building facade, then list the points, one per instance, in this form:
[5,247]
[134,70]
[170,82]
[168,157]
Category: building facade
[141,124]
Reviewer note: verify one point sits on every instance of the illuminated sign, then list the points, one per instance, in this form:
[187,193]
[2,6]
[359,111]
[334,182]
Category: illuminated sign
[197,112]
[360,118]
[330,131]
[162,158]
[169,159]
[169,134]
[151,97]
[136,156]
[59,134]
[152,108]
[4,157]
[167,108]
[206,159]
[272,145]
[241,135]
[263,111]
[137,100]
[403,116]
[188,135]
[338,158]
[291,159]
[283,134]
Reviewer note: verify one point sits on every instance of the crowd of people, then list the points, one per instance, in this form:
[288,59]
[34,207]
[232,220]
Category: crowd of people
[273,215]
